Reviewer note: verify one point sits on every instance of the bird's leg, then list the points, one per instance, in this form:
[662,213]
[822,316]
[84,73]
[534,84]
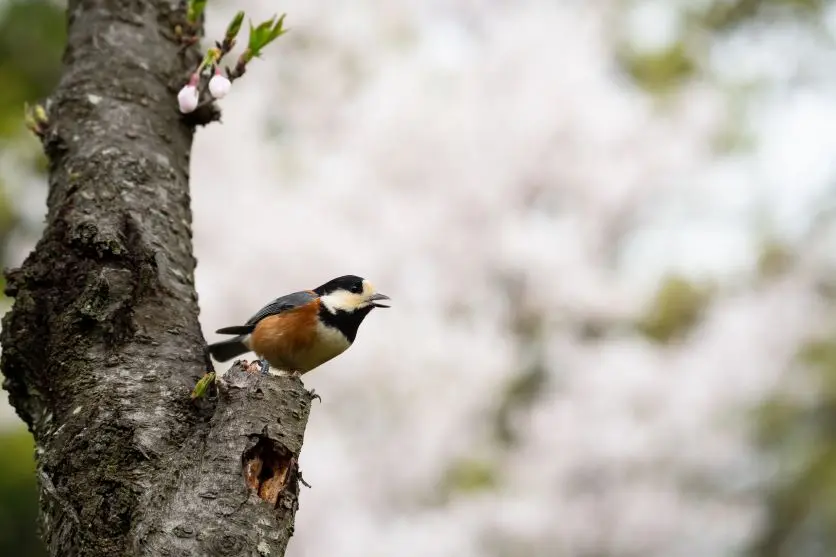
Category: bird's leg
[265,366]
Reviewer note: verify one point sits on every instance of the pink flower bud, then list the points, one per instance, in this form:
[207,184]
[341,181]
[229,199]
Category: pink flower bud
[219,85]
[188,98]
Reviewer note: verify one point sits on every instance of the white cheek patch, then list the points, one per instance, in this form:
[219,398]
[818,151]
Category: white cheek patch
[368,289]
[342,301]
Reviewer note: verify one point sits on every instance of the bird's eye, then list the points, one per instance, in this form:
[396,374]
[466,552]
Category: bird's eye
[357,288]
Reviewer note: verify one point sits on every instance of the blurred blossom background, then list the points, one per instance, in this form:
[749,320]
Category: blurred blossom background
[607,227]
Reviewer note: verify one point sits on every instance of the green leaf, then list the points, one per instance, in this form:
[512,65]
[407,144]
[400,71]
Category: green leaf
[194,10]
[203,385]
[278,29]
[234,26]
[265,33]
[35,117]
[211,57]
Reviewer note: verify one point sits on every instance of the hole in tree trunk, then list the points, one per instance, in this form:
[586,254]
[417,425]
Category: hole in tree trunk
[267,468]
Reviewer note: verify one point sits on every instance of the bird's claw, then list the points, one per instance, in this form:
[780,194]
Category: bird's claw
[312,395]
[264,366]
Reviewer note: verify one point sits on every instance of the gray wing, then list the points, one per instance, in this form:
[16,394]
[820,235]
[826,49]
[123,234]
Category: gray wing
[276,306]
[283,304]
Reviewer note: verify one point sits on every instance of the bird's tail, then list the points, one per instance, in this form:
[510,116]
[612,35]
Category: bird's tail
[228,349]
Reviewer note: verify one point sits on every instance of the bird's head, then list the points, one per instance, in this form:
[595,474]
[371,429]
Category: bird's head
[350,294]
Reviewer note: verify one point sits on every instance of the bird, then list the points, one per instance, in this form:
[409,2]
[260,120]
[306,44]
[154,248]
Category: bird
[301,331]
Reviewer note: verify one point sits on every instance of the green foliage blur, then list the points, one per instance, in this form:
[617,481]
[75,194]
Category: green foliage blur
[800,437]
[676,309]
[18,496]
[32,37]
[663,70]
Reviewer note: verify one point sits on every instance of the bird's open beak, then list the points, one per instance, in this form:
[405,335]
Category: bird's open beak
[375,297]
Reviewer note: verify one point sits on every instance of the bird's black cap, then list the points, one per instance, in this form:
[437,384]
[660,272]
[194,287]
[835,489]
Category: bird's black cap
[350,283]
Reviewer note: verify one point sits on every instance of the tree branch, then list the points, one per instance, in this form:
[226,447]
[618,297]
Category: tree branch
[103,344]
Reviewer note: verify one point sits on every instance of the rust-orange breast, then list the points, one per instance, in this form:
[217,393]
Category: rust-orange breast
[280,338]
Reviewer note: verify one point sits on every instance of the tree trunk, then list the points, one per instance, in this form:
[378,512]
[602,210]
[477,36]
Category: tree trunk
[103,346]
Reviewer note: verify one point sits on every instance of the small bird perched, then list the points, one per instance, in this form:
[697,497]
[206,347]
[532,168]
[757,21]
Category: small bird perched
[301,331]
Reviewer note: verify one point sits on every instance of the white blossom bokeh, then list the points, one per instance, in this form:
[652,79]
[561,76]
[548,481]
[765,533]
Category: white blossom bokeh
[437,147]
[441,149]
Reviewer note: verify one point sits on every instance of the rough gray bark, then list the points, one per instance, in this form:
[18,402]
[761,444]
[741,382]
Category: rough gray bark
[103,345]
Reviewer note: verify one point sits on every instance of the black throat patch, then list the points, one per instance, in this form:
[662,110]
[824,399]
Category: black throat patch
[347,322]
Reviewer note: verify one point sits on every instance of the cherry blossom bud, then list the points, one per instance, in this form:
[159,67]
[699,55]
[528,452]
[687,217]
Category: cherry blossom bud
[219,85]
[189,97]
